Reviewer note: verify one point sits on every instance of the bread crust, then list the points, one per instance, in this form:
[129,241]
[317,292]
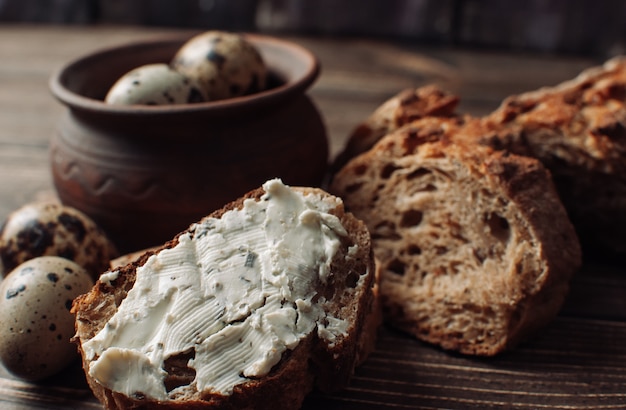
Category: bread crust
[577,129]
[403,108]
[492,292]
[313,363]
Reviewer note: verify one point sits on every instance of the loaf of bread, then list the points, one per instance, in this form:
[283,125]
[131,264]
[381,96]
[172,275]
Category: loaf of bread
[577,130]
[474,246]
[252,307]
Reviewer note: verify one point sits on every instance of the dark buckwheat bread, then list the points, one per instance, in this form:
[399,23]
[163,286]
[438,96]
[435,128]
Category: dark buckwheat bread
[475,248]
[348,294]
[577,130]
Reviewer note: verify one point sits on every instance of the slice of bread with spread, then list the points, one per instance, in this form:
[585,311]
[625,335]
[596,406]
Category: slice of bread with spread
[252,307]
[474,246]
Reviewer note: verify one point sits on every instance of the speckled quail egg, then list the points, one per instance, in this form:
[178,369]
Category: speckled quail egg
[155,84]
[225,64]
[52,229]
[36,324]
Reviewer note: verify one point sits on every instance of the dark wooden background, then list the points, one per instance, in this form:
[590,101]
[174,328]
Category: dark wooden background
[590,27]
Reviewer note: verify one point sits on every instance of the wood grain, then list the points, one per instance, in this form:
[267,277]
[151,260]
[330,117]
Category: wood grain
[577,362]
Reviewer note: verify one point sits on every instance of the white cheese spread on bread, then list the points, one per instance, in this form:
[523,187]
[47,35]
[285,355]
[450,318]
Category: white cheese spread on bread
[239,291]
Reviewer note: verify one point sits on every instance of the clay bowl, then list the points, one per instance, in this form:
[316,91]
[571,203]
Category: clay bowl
[144,173]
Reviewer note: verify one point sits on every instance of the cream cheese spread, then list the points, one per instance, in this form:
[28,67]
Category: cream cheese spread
[238,291]
[109,277]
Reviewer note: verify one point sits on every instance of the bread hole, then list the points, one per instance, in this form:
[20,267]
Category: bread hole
[617,91]
[178,371]
[418,173]
[413,249]
[434,235]
[397,267]
[360,169]
[387,170]
[411,217]
[498,227]
[613,130]
[427,188]
[352,280]
[440,250]
[354,187]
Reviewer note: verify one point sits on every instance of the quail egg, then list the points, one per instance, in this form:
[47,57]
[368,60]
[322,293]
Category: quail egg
[154,84]
[35,320]
[225,64]
[52,229]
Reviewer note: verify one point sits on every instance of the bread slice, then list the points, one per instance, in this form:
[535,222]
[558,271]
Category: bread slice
[577,129]
[252,307]
[475,248]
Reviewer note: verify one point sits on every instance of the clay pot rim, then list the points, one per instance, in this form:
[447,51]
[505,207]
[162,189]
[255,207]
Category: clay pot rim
[295,81]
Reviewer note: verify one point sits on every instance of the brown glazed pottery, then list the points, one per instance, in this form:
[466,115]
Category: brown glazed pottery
[144,173]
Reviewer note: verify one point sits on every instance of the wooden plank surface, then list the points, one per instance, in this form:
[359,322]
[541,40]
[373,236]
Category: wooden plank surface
[577,362]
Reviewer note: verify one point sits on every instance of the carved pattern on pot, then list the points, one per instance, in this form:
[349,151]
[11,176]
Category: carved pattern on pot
[95,182]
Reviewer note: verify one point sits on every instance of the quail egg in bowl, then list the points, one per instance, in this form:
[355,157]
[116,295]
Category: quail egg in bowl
[225,64]
[155,84]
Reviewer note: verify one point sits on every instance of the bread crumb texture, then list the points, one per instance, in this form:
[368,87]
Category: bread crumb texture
[475,247]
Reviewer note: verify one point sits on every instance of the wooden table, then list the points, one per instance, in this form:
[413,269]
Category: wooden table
[577,362]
